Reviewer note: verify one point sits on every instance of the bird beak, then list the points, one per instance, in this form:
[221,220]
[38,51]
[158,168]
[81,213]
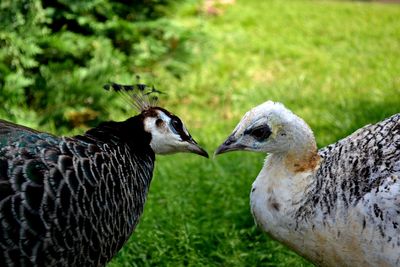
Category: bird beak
[230,144]
[195,148]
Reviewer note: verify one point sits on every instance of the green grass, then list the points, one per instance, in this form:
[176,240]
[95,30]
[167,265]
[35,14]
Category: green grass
[336,64]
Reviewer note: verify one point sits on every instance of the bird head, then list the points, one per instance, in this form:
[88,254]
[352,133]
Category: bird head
[166,131]
[269,127]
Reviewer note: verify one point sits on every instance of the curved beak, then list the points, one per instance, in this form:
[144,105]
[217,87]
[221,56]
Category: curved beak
[196,149]
[230,144]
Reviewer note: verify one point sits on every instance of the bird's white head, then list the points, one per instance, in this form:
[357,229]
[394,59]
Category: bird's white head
[168,133]
[269,127]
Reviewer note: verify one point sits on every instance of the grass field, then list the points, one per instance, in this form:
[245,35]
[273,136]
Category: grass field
[336,64]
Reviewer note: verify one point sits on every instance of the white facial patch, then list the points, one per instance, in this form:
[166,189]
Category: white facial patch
[270,114]
[164,139]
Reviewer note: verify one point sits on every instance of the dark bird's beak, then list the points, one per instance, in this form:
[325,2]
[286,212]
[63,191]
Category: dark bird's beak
[196,149]
[229,145]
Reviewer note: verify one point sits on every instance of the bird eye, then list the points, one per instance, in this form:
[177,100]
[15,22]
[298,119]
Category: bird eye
[176,124]
[177,128]
[261,133]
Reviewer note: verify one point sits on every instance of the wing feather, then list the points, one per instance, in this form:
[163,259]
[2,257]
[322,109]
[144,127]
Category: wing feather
[354,168]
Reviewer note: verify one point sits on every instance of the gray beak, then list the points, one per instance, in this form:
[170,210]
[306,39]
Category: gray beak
[196,149]
[229,145]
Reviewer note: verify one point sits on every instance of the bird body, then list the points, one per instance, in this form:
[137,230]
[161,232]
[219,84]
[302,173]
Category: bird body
[69,201]
[338,206]
[74,201]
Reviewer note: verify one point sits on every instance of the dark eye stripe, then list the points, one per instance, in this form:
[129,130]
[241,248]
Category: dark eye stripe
[176,123]
[260,133]
[177,126]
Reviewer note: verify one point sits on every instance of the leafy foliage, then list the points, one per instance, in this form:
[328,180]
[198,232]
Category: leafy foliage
[57,54]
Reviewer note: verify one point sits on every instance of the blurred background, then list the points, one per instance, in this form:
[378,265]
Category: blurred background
[334,63]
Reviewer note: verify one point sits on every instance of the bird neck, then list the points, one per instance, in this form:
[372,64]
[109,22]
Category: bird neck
[130,132]
[279,189]
[301,154]
[289,173]
[301,159]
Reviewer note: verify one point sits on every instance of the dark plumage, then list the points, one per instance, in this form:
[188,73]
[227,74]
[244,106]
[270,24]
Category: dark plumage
[70,201]
[74,201]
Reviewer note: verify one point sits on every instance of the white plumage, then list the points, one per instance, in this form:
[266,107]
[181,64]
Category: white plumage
[337,206]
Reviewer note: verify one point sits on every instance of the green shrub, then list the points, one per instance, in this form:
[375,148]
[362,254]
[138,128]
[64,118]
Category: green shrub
[56,55]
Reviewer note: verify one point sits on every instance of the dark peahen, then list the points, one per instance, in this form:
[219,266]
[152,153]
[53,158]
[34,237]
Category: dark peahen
[74,201]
